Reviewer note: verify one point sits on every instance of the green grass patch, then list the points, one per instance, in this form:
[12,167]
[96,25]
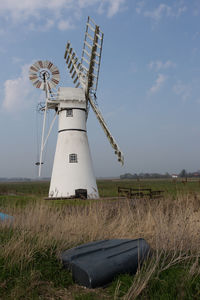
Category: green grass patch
[173,283]
[29,281]
[40,275]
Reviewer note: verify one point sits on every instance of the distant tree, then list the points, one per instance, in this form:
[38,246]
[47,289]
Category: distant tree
[183,173]
[126,176]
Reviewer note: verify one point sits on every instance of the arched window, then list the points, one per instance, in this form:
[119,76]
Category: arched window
[73,158]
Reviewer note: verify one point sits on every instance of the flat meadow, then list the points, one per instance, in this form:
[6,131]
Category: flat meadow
[31,243]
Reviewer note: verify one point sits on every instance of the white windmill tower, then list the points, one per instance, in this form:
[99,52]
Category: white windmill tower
[72,174]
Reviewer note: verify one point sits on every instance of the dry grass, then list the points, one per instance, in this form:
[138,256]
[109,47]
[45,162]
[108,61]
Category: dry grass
[171,227]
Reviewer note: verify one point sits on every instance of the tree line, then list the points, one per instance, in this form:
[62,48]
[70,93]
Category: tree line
[182,174]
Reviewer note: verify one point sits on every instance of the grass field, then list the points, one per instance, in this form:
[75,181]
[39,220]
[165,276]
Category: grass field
[41,229]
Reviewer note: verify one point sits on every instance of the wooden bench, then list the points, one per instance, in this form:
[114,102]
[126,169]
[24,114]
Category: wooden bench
[131,193]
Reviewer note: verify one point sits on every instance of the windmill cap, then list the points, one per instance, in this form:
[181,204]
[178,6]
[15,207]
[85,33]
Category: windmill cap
[68,93]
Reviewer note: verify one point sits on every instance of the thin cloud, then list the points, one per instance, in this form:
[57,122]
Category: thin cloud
[24,9]
[111,7]
[18,92]
[140,6]
[47,25]
[114,7]
[182,90]
[53,12]
[196,35]
[160,80]
[86,3]
[196,9]
[180,11]
[161,11]
[65,25]
[160,65]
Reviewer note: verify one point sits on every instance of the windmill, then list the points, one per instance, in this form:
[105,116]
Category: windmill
[72,174]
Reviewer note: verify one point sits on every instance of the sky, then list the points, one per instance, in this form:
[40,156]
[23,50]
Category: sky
[149,82]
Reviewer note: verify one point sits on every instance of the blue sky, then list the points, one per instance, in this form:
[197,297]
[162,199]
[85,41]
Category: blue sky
[149,85]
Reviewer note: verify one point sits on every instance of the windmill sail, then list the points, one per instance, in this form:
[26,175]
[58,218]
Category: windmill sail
[91,54]
[72,61]
[106,130]
[86,73]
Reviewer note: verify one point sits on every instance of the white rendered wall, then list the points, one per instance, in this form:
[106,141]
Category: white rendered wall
[72,138]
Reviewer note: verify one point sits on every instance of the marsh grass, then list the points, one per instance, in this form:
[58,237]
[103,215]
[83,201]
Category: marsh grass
[32,242]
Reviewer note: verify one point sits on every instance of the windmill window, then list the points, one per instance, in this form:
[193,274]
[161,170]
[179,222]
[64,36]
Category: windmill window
[69,112]
[73,158]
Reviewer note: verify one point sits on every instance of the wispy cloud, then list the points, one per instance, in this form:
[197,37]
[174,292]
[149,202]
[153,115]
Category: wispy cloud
[160,65]
[160,80]
[110,7]
[18,92]
[183,90]
[24,9]
[196,8]
[53,12]
[196,35]
[65,25]
[139,6]
[161,11]
[114,7]
[47,25]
